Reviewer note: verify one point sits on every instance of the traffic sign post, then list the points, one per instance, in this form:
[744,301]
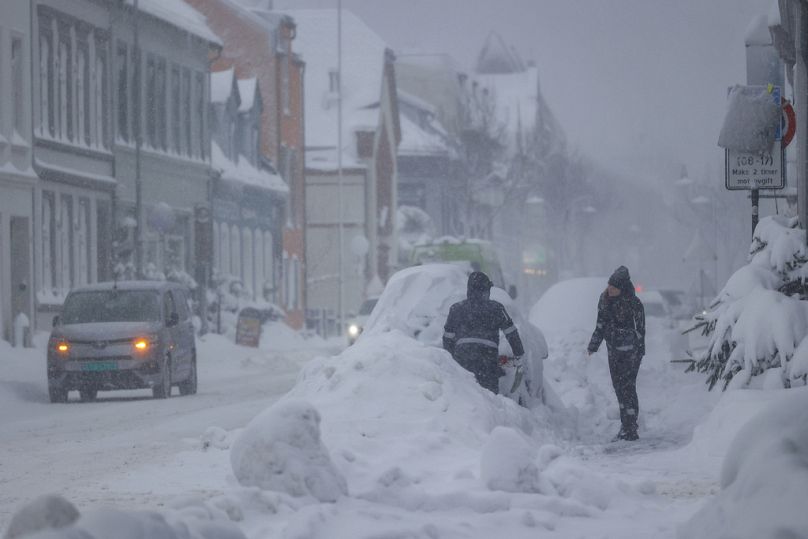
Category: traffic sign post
[764,170]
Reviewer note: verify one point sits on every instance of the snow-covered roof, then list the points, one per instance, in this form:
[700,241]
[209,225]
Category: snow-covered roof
[362,72]
[179,14]
[247,89]
[417,141]
[415,101]
[221,85]
[519,102]
[244,172]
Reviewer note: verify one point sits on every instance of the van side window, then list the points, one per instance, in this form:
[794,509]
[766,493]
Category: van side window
[168,306]
[181,300]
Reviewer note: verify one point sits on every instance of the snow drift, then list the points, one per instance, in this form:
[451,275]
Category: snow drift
[764,477]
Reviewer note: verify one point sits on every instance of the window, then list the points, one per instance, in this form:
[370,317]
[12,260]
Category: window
[175,110]
[83,91]
[269,260]
[186,115]
[285,83]
[224,245]
[258,249]
[65,84]
[48,242]
[199,96]
[64,246]
[83,242]
[181,301]
[247,254]
[100,93]
[162,120]
[123,91]
[151,101]
[47,120]
[17,85]
[235,252]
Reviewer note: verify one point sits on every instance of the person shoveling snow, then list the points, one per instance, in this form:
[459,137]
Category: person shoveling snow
[471,334]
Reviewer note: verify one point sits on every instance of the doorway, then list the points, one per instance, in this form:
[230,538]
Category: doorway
[20,259]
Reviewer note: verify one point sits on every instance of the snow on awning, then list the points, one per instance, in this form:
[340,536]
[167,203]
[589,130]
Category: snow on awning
[245,173]
[751,120]
[179,14]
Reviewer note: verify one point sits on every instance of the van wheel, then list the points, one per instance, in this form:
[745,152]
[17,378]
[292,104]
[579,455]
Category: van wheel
[57,394]
[188,387]
[163,389]
[88,395]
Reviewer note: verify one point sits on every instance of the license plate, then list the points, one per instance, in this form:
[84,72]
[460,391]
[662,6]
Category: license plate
[100,366]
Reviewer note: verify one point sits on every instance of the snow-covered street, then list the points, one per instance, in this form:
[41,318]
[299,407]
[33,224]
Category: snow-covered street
[419,448]
[121,450]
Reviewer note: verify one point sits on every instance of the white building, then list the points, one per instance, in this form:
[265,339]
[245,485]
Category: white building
[17,177]
[370,135]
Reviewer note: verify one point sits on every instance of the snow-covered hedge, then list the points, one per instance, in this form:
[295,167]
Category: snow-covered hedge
[759,321]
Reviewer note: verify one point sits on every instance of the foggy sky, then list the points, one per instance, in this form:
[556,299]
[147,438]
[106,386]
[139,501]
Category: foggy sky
[638,85]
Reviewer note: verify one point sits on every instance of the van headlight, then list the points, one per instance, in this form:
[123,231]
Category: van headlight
[354,330]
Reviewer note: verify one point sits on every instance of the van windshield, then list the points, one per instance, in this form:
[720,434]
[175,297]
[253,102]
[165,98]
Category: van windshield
[111,306]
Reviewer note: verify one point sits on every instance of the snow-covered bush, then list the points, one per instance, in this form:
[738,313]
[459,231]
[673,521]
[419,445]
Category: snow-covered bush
[281,450]
[764,478]
[759,321]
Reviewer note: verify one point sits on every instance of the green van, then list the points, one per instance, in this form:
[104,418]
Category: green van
[479,254]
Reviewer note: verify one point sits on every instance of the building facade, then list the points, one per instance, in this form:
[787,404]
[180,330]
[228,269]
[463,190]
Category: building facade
[258,43]
[160,96]
[72,147]
[367,159]
[248,199]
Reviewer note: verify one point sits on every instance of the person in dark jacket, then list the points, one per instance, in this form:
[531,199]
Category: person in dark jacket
[621,323]
[471,333]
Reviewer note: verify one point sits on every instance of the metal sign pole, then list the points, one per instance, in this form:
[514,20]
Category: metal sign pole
[755,210]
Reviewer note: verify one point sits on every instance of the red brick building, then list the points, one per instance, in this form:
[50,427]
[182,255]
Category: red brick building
[258,44]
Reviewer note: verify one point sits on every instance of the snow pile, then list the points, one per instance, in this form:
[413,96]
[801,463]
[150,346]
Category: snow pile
[53,517]
[764,478]
[509,462]
[281,450]
[753,325]
[416,302]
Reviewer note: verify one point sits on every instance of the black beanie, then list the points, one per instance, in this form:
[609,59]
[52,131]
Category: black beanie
[621,279]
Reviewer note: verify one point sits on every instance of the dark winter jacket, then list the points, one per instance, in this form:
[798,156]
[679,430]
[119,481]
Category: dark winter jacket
[477,321]
[621,319]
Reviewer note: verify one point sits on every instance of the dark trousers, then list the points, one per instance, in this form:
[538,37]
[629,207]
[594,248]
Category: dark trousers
[483,362]
[624,366]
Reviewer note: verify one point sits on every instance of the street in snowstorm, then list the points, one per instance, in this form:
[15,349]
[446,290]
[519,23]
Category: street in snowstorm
[340,269]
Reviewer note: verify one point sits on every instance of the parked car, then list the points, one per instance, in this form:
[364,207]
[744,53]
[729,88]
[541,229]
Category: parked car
[678,304]
[356,324]
[124,335]
[416,301]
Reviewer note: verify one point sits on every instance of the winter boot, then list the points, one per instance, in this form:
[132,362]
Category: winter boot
[620,435]
[631,435]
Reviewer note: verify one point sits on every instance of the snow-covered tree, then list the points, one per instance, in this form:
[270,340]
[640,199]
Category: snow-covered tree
[759,321]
